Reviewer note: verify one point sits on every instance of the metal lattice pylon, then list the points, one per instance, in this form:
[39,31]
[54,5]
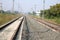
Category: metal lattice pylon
[0,6]
[13,6]
[43,8]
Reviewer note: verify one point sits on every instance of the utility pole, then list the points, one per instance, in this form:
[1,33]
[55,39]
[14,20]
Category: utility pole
[35,7]
[31,9]
[43,9]
[13,6]
[20,8]
[0,6]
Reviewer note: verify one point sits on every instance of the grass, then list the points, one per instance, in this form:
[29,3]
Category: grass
[4,18]
[54,20]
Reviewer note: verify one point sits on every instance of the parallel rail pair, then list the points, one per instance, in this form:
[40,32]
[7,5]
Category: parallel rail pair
[16,31]
[49,24]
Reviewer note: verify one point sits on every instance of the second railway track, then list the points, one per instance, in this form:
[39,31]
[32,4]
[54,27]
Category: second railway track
[51,25]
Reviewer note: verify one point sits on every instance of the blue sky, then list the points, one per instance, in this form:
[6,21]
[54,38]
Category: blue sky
[28,5]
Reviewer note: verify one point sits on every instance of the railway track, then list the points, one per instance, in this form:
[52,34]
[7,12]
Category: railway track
[27,28]
[35,30]
[55,27]
[10,30]
[10,22]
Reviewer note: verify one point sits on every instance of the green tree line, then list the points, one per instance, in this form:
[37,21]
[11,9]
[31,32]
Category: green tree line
[52,12]
[8,11]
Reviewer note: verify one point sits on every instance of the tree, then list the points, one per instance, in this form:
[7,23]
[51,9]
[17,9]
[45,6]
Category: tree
[1,11]
[54,11]
[34,13]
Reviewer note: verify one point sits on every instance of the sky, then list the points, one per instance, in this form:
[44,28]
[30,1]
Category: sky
[28,5]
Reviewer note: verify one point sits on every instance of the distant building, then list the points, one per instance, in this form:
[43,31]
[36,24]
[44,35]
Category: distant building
[37,13]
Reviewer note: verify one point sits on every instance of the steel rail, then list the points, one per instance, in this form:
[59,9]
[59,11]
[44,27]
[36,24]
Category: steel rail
[7,24]
[51,25]
[14,36]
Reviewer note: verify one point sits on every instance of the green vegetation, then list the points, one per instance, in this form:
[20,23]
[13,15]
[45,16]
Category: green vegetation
[6,17]
[55,20]
[52,14]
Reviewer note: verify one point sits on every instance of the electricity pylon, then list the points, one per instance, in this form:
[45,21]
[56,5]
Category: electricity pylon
[0,6]
[35,7]
[43,9]
[13,6]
